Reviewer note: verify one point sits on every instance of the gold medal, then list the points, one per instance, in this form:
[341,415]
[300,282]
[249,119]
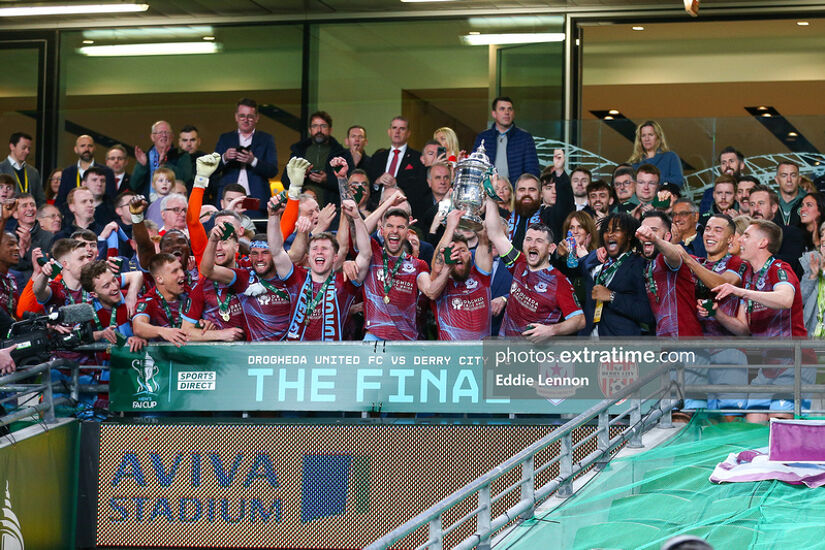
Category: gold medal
[225,315]
[386,299]
[597,314]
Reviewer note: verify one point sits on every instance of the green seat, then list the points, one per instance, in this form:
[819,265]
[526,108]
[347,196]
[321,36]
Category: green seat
[616,535]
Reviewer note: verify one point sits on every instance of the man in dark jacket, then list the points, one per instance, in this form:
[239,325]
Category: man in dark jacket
[319,148]
[509,148]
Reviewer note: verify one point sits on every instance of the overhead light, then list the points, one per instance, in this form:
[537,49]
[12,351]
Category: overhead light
[607,117]
[210,38]
[149,33]
[88,41]
[160,48]
[474,33]
[613,111]
[761,108]
[638,28]
[793,134]
[767,115]
[514,21]
[76,9]
[512,38]
[802,23]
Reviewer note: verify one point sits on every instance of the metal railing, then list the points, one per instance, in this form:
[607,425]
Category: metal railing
[671,389]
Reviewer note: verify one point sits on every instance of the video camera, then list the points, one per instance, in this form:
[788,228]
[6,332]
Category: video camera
[36,341]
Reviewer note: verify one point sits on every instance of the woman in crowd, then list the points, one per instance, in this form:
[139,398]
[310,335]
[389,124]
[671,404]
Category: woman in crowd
[810,218]
[812,288]
[583,229]
[504,189]
[650,147]
[449,140]
[52,185]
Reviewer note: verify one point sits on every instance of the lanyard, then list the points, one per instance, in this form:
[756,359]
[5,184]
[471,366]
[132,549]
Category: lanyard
[23,189]
[606,274]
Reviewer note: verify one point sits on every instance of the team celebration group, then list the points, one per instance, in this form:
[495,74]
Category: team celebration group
[195,247]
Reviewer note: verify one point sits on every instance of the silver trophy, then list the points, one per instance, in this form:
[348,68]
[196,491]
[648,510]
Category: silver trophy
[472,180]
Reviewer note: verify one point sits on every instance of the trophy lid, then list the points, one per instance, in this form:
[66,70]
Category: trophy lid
[478,156]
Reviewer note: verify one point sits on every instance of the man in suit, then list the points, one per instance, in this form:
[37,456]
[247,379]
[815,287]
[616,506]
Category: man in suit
[27,176]
[72,177]
[248,157]
[399,166]
[116,159]
[615,297]
[161,153]
[509,148]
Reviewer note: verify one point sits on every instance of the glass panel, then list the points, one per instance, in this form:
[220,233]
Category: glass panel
[116,99]
[18,96]
[531,75]
[369,72]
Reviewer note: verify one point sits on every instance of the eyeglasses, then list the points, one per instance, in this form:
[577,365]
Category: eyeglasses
[178,210]
[164,133]
[622,183]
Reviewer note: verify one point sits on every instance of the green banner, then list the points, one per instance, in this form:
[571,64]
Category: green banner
[395,377]
[38,486]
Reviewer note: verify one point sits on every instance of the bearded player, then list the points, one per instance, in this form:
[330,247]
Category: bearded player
[542,303]
[462,283]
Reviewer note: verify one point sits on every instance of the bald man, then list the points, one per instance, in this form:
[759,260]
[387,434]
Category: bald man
[84,148]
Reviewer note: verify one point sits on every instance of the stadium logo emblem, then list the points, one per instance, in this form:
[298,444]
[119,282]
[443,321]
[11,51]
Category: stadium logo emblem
[471,283]
[614,377]
[11,538]
[541,287]
[147,386]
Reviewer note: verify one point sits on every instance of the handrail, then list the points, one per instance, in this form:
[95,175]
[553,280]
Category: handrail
[481,485]
[530,495]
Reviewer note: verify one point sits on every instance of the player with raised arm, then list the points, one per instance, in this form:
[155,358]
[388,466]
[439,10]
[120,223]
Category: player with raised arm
[213,311]
[462,306]
[542,303]
[320,297]
[770,307]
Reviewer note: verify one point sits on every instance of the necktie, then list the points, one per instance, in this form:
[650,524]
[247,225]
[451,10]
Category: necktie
[394,163]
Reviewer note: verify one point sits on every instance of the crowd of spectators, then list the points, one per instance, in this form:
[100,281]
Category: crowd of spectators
[192,246]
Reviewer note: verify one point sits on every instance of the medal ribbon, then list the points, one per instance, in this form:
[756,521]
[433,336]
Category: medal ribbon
[275,290]
[389,276]
[168,312]
[84,296]
[223,305]
[760,279]
[651,282]
[112,320]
